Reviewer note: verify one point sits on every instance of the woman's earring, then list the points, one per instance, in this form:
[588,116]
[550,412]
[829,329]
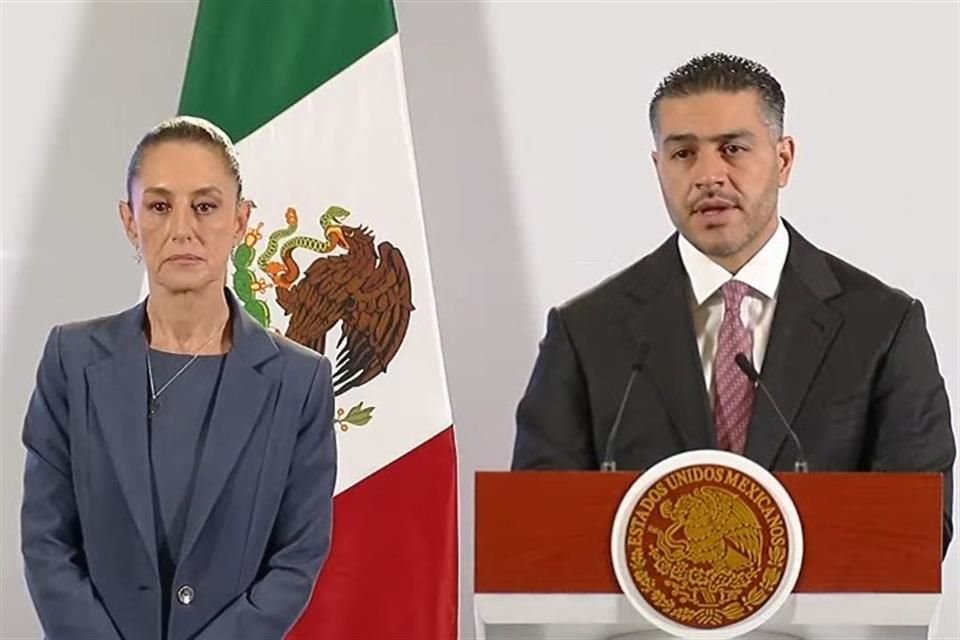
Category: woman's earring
[137,256]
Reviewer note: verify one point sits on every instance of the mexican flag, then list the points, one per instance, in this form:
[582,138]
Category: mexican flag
[335,258]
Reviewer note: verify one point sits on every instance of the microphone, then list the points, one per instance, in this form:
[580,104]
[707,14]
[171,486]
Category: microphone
[609,464]
[800,465]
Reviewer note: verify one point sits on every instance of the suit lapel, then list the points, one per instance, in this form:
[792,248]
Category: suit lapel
[118,391]
[240,403]
[804,327]
[658,313]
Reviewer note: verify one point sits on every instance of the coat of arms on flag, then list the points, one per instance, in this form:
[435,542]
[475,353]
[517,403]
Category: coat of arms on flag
[350,281]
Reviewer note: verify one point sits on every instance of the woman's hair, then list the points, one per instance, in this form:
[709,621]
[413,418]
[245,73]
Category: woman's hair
[186,129]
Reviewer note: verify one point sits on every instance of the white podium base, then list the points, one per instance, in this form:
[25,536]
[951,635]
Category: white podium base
[760,634]
[807,616]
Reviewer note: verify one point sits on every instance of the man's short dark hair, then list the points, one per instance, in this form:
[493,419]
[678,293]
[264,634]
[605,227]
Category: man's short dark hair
[723,72]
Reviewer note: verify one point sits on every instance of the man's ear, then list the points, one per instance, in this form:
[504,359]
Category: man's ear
[786,152]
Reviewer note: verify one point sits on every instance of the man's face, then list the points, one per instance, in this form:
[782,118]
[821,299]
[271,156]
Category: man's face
[720,170]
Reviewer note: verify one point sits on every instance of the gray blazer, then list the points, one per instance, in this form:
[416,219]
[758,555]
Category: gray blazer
[259,525]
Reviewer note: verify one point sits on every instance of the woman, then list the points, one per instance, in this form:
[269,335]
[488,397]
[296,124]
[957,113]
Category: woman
[180,458]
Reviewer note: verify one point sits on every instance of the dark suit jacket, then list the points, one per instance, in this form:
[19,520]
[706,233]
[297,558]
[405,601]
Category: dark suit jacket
[259,524]
[849,361]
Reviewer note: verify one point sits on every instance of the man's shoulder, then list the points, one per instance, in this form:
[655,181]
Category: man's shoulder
[855,280]
[860,297]
[605,292]
[637,279]
[862,290]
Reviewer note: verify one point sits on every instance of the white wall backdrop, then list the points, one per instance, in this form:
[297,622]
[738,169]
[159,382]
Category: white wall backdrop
[530,131]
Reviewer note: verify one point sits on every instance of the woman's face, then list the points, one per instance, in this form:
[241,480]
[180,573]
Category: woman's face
[184,215]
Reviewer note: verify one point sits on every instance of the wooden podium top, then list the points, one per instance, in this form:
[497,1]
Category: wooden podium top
[549,532]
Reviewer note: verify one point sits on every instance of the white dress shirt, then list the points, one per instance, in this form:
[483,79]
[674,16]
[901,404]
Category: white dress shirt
[762,273]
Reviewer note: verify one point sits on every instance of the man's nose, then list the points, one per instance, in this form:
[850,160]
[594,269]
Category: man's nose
[710,172]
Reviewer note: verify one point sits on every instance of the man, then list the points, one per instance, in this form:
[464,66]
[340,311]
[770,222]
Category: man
[847,358]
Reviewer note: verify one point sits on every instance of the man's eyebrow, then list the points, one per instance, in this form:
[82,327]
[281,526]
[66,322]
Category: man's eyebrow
[680,138]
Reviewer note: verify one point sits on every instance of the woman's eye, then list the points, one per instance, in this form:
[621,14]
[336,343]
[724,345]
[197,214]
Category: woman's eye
[159,207]
[205,207]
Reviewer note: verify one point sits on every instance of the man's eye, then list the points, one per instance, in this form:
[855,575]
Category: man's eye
[733,149]
[683,154]
[205,207]
[159,207]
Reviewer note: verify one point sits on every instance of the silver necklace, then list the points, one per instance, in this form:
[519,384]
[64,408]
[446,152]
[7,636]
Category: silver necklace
[154,393]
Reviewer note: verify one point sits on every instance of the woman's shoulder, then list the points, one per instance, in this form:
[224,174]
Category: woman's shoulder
[83,329]
[299,366]
[296,355]
[75,340]
[100,326]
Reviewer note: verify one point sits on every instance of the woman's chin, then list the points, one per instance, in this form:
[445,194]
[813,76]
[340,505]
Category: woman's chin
[187,282]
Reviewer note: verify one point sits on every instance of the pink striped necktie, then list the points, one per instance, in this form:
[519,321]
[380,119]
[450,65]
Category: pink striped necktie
[733,391]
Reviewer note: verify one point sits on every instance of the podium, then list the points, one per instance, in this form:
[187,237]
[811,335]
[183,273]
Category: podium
[871,566]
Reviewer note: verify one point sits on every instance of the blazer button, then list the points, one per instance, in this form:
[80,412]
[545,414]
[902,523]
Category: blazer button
[185,595]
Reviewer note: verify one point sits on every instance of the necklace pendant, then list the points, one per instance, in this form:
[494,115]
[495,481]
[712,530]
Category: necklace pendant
[154,406]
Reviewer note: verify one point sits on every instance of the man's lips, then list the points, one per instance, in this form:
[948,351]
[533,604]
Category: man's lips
[714,205]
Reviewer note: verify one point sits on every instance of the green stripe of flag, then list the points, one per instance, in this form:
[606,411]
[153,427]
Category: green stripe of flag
[252,59]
